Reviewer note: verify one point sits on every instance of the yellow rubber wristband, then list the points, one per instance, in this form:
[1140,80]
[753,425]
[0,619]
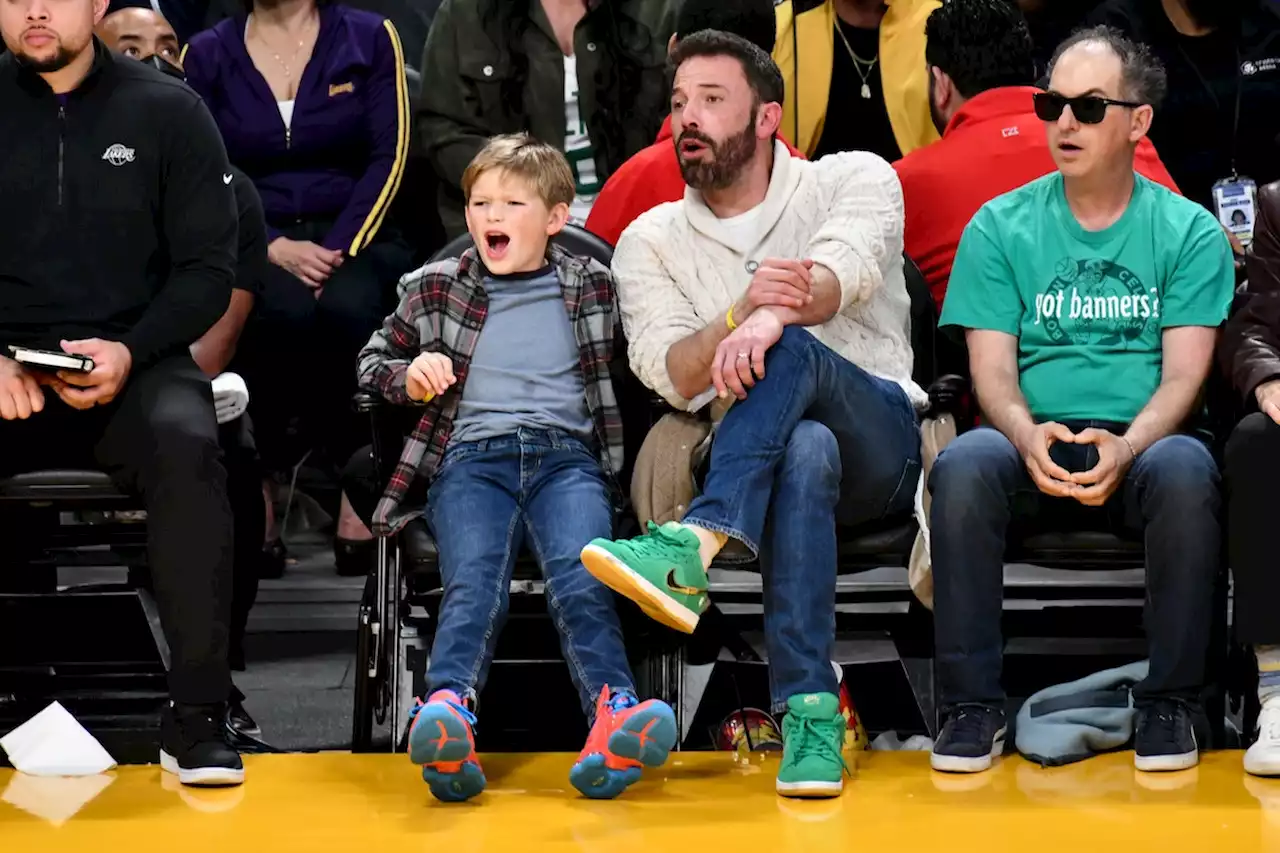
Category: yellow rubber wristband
[728,319]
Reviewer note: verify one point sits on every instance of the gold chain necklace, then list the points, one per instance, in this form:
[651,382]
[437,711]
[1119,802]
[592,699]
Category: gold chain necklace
[859,63]
[287,67]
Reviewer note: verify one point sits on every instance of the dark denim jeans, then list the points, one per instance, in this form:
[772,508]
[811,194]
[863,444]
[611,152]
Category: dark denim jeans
[981,488]
[489,498]
[818,440]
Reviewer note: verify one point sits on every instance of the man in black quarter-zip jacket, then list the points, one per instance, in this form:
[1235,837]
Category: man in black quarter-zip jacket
[118,241]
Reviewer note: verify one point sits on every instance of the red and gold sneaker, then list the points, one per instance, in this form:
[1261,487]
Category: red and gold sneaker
[627,735]
[441,740]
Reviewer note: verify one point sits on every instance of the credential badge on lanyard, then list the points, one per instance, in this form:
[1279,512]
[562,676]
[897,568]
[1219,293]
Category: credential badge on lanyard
[1235,201]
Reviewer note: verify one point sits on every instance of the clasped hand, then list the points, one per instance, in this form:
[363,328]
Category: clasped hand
[1091,488]
[309,262]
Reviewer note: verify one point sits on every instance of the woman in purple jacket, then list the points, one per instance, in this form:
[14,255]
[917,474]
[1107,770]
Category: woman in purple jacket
[311,99]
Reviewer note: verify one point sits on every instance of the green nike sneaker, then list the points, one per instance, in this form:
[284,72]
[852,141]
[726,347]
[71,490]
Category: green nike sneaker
[812,740]
[660,571]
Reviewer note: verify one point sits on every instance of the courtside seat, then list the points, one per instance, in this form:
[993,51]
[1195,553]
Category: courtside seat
[94,644]
[1077,550]
[878,544]
[62,485]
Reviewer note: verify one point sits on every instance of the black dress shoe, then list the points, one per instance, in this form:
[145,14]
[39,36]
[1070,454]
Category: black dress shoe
[238,720]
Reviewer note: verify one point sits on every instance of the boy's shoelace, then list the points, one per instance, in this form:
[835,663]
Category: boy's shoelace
[418,705]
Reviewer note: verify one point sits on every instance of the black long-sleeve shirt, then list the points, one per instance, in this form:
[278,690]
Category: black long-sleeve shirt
[117,215]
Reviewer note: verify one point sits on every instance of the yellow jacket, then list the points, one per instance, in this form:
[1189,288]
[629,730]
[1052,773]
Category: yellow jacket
[811,32]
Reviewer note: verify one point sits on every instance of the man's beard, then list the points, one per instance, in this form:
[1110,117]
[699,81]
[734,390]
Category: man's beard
[61,59]
[726,161]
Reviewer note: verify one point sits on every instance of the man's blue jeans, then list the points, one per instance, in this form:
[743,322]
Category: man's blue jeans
[540,487]
[818,440]
[981,488]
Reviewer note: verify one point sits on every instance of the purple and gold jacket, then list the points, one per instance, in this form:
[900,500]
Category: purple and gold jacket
[344,154]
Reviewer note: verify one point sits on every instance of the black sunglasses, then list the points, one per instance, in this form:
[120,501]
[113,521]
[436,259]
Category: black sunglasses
[1088,109]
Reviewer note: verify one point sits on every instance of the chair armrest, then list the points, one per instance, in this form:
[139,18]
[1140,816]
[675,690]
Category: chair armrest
[365,402]
[947,394]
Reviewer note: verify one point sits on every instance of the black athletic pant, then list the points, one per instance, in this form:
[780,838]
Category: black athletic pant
[159,440]
[248,508]
[1252,474]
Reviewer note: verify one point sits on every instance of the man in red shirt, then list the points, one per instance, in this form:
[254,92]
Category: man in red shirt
[652,177]
[980,59]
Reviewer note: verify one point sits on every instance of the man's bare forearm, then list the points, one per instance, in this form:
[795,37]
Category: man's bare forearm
[1165,412]
[1186,362]
[993,362]
[825,289]
[1002,404]
[689,359]
[215,349]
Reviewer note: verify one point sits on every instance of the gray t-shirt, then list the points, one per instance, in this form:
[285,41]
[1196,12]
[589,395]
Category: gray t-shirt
[526,371]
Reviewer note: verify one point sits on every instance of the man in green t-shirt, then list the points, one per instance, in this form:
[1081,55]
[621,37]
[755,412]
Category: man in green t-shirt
[1090,300]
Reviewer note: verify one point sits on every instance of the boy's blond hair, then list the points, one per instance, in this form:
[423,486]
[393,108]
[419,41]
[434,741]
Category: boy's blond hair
[519,154]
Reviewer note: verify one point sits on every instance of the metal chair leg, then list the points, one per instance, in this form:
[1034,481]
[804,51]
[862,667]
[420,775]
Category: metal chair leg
[362,702]
[393,626]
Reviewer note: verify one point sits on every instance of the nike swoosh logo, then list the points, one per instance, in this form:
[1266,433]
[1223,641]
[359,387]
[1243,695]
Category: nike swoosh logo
[676,586]
[226,179]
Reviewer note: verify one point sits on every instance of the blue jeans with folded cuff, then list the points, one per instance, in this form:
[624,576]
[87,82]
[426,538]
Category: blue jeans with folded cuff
[818,441]
[489,498]
[981,489]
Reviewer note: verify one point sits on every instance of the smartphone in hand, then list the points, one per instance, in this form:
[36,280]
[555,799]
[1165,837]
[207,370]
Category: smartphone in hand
[41,359]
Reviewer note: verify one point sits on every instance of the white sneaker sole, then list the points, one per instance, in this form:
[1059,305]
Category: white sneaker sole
[619,577]
[809,790]
[201,777]
[964,764]
[1166,763]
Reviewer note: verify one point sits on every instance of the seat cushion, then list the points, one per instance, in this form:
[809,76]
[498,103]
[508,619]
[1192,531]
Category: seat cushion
[865,546]
[1077,549]
[889,541]
[421,555]
[60,485]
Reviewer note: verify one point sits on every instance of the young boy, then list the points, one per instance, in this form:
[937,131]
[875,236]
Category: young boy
[507,349]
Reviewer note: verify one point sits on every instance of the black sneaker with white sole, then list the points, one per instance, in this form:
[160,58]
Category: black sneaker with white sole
[193,746]
[970,740]
[1165,737]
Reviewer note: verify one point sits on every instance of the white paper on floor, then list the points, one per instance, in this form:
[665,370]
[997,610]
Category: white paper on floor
[888,742]
[56,800]
[53,743]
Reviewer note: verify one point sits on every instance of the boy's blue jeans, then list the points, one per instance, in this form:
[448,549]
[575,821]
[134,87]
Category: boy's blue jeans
[543,488]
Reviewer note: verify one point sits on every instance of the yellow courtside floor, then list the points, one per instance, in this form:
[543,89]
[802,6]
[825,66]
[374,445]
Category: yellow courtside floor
[702,803]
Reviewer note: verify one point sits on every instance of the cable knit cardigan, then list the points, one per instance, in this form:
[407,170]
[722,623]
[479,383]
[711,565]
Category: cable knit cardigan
[678,268]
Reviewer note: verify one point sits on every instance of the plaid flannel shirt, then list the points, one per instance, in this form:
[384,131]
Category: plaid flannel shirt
[442,309]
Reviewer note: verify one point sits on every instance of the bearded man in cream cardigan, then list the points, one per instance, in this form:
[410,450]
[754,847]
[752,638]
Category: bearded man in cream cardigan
[775,284]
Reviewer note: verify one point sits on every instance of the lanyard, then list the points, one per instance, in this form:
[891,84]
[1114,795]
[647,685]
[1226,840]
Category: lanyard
[1235,119]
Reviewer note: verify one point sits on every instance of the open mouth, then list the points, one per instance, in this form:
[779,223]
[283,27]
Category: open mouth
[496,244]
[1069,148]
[692,148]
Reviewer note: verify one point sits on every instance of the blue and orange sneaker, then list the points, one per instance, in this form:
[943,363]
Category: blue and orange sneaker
[627,735]
[440,739]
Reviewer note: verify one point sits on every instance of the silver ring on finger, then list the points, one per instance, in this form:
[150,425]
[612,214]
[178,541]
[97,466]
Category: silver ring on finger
[744,355]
